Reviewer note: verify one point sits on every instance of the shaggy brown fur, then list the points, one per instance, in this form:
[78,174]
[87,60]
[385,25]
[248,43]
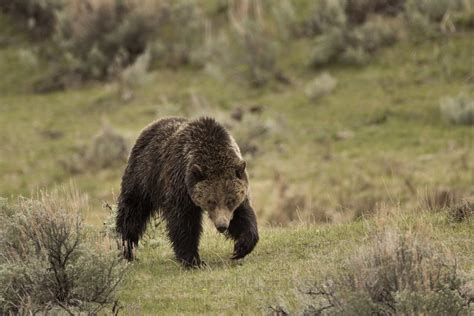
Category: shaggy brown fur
[180,169]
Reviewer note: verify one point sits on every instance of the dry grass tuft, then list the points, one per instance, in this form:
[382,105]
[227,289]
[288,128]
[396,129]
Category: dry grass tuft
[439,199]
[463,211]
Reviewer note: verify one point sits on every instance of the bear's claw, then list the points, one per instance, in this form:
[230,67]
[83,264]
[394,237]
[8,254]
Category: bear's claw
[243,247]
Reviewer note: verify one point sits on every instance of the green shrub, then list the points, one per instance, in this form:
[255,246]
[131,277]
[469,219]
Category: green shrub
[98,38]
[39,16]
[458,110]
[255,53]
[465,19]
[134,75]
[50,262]
[180,38]
[328,47]
[286,18]
[400,274]
[433,10]
[359,10]
[252,45]
[426,18]
[354,45]
[374,33]
[326,15]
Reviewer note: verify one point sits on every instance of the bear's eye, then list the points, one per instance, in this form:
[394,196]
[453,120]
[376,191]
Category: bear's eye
[238,174]
[211,203]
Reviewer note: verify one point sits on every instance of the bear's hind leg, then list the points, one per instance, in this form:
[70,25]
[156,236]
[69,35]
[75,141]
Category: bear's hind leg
[184,230]
[133,215]
[243,230]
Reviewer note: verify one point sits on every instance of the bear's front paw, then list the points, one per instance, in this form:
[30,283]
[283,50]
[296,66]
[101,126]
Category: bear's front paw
[129,249]
[244,246]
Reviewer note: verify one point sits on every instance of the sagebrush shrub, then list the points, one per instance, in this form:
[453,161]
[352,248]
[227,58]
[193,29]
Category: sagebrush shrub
[354,44]
[255,53]
[320,86]
[107,148]
[180,38]
[399,274]
[433,10]
[329,46]
[429,17]
[51,262]
[286,18]
[327,14]
[99,37]
[359,10]
[458,110]
[374,33]
[255,48]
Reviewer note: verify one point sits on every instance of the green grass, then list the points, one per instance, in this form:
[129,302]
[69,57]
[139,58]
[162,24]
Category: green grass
[401,149]
[391,106]
[286,261]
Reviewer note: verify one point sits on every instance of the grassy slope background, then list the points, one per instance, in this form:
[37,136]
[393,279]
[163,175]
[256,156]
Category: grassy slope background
[402,85]
[411,142]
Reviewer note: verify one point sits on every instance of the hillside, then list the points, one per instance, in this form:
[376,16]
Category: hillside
[344,159]
[378,137]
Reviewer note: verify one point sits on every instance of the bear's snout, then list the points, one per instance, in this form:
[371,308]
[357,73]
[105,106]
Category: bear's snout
[222,223]
[221,217]
[221,228]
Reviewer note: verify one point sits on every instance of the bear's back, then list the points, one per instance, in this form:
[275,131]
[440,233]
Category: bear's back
[148,152]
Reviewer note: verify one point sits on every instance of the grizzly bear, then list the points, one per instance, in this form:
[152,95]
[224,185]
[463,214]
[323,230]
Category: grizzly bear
[180,169]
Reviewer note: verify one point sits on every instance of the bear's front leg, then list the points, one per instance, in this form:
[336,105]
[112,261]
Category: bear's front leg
[243,230]
[184,230]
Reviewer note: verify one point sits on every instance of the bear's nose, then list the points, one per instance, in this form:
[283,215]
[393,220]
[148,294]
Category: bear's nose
[221,228]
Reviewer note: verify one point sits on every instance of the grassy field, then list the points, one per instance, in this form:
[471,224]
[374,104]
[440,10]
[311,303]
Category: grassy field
[398,148]
[286,262]
[322,172]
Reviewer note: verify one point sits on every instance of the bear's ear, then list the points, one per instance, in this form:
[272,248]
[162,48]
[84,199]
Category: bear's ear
[240,171]
[196,173]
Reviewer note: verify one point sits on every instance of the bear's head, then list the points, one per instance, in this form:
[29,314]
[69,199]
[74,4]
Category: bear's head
[218,193]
